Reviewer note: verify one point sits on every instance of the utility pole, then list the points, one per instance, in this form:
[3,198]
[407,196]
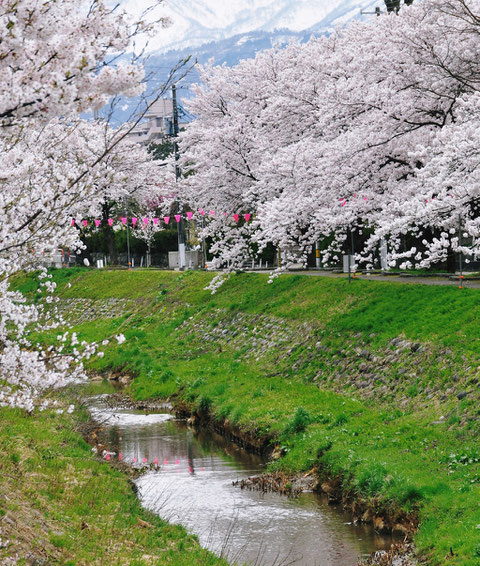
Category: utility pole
[460,267]
[180,225]
[352,248]
[350,256]
[129,259]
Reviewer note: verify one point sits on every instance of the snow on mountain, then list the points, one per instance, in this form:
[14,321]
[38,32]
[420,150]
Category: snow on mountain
[195,22]
[230,30]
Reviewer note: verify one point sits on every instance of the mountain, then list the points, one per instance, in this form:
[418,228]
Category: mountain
[261,24]
[196,22]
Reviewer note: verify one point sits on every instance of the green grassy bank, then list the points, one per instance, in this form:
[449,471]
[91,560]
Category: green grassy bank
[373,384]
[59,504]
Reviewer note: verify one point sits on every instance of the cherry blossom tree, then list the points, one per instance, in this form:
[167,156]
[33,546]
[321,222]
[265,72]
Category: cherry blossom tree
[57,59]
[62,57]
[356,131]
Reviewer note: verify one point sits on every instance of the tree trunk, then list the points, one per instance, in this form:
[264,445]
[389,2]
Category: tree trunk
[451,261]
[109,234]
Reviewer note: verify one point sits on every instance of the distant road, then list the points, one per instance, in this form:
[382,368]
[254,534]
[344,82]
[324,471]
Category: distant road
[475,284]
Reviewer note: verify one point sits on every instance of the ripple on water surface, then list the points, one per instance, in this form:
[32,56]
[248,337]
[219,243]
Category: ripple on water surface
[193,486]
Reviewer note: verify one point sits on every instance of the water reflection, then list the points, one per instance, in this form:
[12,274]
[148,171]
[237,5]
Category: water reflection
[192,485]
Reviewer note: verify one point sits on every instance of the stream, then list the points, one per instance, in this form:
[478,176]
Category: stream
[187,479]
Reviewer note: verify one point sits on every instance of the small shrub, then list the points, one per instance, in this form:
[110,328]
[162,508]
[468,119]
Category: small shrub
[161,296]
[453,419]
[324,447]
[223,412]
[340,420]
[299,422]
[219,389]
[371,480]
[197,382]
[323,419]
[60,541]
[204,404]
[237,414]
[412,391]
[409,494]
[165,376]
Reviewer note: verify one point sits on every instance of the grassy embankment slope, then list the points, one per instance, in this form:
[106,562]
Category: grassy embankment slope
[373,383]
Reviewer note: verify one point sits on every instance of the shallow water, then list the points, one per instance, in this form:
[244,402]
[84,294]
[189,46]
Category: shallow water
[188,480]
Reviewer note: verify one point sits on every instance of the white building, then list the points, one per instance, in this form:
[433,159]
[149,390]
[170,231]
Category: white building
[158,123]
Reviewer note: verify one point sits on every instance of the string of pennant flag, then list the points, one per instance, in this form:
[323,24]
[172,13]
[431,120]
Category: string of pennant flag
[188,215]
[177,217]
[155,221]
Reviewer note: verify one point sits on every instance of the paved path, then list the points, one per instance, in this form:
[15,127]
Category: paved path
[390,278]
